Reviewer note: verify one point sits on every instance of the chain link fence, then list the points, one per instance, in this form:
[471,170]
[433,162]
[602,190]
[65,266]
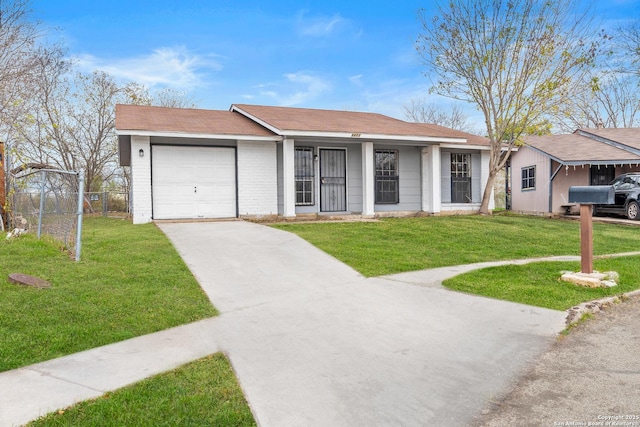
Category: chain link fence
[46,201]
[107,203]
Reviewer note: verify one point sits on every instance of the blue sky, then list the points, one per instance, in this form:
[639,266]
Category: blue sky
[343,54]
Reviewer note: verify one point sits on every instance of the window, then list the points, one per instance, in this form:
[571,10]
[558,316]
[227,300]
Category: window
[460,178]
[529,178]
[304,166]
[387,176]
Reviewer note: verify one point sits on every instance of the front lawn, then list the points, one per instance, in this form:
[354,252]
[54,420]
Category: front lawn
[538,283]
[130,282]
[397,245]
[201,393]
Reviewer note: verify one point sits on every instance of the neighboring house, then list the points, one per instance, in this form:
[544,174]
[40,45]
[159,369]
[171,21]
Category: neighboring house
[258,161]
[546,166]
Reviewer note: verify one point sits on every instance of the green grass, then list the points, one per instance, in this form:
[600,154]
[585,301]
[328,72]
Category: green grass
[538,283]
[396,245]
[201,393]
[130,282]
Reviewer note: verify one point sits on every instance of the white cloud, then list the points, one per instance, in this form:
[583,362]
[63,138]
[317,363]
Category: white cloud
[174,67]
[308,87]
[298,88]
[321,26]
[356,80]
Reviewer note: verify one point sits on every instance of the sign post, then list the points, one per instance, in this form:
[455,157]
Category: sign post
[587,196]
[586,238]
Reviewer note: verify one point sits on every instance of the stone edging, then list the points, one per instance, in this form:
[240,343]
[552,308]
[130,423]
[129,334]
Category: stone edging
[575,313]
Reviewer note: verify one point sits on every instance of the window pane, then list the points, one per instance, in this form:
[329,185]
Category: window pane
[304,175]
[386,176]
[529,177]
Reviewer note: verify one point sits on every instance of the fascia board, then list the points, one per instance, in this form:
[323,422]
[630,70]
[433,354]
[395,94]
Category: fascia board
[198,135]
[466,147]
[257,120]
[368,136]
[601,162]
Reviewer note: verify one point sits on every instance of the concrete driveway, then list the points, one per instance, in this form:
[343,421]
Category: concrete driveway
[314,343]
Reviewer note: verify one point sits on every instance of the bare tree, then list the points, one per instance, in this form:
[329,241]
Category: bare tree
[138,94]
[513,59]
[608,95]
[72,125]
[419,111]
[168,97]
[22,50]
[18,51]
[627,40]
[611,101]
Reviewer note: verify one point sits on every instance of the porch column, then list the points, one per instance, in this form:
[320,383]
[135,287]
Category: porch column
[288,179]
[141,179]
[368,184]
[431,197]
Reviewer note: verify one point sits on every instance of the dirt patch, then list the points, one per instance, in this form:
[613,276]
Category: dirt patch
[590,377]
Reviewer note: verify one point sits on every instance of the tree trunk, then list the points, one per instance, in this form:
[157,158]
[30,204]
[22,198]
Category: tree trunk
[486,196]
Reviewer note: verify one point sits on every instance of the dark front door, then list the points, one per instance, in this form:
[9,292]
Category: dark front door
[602,175]
[333,181]
[460,178]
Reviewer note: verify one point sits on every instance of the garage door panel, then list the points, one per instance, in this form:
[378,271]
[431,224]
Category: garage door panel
[193,182]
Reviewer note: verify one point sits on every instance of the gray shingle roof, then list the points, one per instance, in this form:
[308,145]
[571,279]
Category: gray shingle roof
[578,148]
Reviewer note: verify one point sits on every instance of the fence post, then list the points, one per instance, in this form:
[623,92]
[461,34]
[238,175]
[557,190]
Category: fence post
[80,212]
[104,203]
[43,175]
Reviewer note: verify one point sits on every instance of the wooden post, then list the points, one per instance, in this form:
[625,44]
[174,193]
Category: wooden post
[586,239]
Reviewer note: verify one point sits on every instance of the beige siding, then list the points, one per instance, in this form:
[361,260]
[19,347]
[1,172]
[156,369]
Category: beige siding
[530,200]
[567,177]
[537,200]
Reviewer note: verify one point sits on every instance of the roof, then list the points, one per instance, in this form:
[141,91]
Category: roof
[630,137]
[587,147]
[303,121]
[255,121]
[141,119]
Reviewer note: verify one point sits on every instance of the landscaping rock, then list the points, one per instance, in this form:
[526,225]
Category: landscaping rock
[607,279]
[26,280]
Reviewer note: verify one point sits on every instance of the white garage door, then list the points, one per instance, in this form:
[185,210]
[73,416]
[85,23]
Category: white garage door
[193,182]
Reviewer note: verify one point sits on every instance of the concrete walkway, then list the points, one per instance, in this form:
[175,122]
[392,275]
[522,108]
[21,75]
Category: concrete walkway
[312,341]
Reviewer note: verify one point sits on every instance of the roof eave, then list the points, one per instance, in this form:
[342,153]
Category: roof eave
[585,161]
[256,119]
[368,136]
[169,134]
[466,146]
[599,162]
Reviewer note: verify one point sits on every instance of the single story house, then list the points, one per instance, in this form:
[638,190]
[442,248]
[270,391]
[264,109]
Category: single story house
[261,161]
[546,166]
